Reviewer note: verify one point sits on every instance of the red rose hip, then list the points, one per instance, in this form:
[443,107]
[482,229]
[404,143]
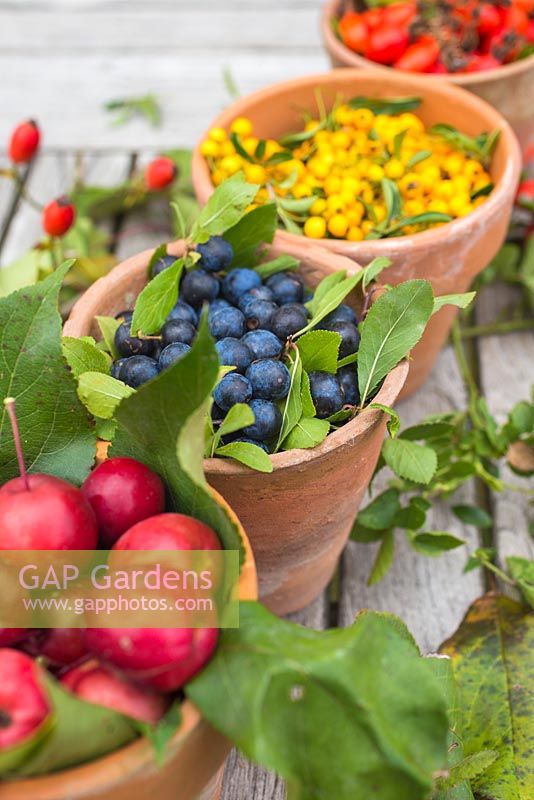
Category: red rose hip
[160,173]
[24,142]
[58,216]
[122,492]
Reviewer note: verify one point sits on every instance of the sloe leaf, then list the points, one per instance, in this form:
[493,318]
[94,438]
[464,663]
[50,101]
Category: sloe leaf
[226,206]
[156,300]
[84,356]
[308,432]
[410,460]
[249,236]
[319,351]
[249,454]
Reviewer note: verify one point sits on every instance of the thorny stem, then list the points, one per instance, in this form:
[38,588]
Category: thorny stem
[24,192]
[9,403]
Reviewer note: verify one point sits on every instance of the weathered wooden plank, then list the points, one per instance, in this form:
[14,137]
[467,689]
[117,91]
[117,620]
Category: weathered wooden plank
[52,175]
[507,376]
[430,594]
[190,87]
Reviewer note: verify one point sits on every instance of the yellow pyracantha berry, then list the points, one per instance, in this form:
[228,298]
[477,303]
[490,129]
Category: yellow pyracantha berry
[342,165]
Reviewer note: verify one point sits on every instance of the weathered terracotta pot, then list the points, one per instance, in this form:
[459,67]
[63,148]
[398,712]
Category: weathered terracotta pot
[191,770]
[298,518]
[509,89]
[449,256]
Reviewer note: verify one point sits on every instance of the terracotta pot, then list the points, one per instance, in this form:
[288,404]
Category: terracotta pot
[509,89]
[191,769]
[298,517]
[449,256]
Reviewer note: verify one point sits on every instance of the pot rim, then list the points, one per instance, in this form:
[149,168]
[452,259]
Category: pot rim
[402,245]
[469,79]
[125,763]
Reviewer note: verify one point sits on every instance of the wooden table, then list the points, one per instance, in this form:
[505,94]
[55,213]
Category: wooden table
[60,61]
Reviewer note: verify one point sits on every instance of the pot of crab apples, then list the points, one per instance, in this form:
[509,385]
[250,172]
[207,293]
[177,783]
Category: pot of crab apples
[295,431]
[75,703]
[421,172]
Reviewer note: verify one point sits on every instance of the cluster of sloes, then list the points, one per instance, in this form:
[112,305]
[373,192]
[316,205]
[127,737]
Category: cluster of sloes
[251,321]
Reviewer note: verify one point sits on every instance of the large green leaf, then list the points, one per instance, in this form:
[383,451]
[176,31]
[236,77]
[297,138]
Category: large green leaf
[250,235]
[492,657]
[393,326]
[319,351]
[345,714]
[162,425]
[156,300]
[410,460]
[56,433]
[224,209]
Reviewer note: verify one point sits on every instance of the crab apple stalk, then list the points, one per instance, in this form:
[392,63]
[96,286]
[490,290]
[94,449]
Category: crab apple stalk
[42,512]
[24,142]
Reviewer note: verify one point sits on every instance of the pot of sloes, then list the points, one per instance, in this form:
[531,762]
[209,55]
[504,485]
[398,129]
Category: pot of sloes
[423,173]
[300,410]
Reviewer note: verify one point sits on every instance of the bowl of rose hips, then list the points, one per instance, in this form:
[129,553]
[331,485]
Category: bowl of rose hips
[485,46]
[74,702]
[298,463]
[423,173]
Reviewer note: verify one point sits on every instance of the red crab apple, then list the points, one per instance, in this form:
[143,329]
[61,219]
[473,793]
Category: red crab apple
[104,687]
[41,512]
[62,647]
[164,658]
[23,702]
[122,492]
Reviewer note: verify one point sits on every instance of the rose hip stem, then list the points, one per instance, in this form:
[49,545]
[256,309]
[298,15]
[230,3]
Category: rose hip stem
[9,403]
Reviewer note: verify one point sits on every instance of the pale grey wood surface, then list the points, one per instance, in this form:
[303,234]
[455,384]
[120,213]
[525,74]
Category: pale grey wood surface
[60,61]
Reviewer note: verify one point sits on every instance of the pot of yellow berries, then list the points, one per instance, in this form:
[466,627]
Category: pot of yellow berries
[424,175]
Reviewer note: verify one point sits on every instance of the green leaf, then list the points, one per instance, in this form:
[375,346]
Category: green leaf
[57,436]
[360,533]
[373,270]
[433,543]
[308,407]
[249,236]
[292,408]
[392,200]
[101,394]
[81,732]
[108,327]
[422,155]
[162,425]
[522,571]
[240,150]
[383,560]
[459,300]
[472,515]
[308,432]
[410,460]
[297,206]
[156,300]
[226,206]
[83,356]
[23,272]
[280,264]
[238,417]
[319,351]
[393,326]
[126,108]
[389,106]
[333,711]
[397,143]
[381,512]
[394,419]
[426,218]
[428,431]
[413,516]
[323,288]
[492,659]
[249,454]
[479,557]
[330,299]
[469,768]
